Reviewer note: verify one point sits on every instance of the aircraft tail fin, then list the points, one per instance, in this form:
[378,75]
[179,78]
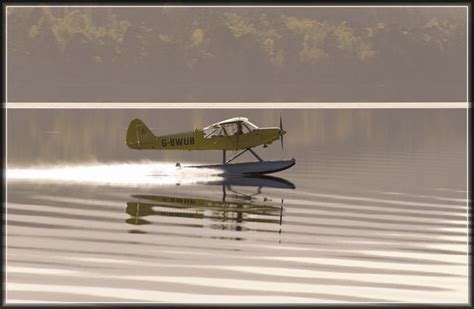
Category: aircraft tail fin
[139,136]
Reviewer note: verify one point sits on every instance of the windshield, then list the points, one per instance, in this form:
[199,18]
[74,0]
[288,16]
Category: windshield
[250,125]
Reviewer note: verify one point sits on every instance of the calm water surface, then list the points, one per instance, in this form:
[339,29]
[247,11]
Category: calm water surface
[385,225]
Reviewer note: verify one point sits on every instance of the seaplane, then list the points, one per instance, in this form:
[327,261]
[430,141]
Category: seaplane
[236,134]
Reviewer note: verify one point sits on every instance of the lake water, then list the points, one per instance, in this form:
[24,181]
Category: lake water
[385,222]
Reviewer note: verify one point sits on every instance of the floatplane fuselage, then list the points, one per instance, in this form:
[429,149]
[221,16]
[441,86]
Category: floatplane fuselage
[235,134]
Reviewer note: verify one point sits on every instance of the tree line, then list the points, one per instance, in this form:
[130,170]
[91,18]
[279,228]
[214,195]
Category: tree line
[202,53]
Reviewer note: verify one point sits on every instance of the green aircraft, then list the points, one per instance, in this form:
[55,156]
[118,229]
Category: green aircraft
[237,134]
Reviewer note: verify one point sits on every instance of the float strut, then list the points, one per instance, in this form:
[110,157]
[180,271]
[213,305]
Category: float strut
[241,153]
[255,154]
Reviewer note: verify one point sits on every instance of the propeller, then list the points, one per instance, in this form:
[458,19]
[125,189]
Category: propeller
[281,132]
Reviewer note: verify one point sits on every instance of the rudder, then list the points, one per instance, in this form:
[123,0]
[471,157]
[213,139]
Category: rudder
[139,136]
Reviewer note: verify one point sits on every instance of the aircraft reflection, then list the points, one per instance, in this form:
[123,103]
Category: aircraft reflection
[229,212]
[253,181]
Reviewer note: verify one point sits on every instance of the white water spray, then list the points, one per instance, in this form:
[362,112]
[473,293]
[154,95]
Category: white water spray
[113,174]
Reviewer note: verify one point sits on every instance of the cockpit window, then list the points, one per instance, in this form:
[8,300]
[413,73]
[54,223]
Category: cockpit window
[233,128]
[229,129]
[213,131]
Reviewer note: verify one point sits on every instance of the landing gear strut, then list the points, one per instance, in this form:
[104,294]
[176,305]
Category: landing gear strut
[239,154]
